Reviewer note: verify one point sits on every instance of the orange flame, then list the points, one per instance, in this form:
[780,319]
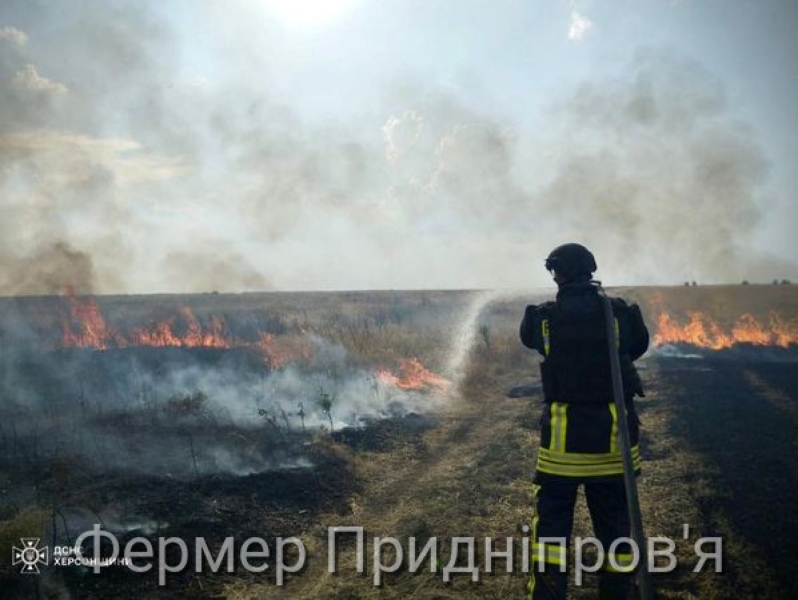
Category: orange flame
[703,332]
[87,328]
[162,334]
[281,352]
[413,375]
[93,331]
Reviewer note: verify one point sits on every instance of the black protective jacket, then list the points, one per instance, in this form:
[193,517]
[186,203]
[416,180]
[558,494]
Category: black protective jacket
[579,426]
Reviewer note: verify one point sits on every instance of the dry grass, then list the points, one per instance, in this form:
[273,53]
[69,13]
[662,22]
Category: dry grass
[470,475]
[473,478]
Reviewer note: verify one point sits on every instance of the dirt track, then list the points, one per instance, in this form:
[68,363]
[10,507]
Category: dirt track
[714,434]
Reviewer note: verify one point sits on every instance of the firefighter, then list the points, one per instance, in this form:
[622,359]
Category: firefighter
[579,424]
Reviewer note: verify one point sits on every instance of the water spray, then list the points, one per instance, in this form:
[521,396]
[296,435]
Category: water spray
[465,334]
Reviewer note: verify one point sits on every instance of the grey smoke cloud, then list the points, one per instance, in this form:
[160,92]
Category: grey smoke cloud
[212,266]
[655,174]
[51,270]
[169,181]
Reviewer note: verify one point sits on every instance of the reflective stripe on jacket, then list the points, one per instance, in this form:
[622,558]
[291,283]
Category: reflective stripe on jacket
[579,423]
[581,440]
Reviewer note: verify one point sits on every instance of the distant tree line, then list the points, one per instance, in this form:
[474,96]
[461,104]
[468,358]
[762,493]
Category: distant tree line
[746,282]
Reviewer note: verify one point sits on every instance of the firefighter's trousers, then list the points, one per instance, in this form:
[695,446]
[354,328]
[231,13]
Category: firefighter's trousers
[554,501]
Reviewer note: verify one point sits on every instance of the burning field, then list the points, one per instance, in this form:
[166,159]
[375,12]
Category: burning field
[283,414]
[125,395]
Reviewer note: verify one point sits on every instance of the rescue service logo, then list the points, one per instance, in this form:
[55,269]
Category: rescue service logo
[30,555]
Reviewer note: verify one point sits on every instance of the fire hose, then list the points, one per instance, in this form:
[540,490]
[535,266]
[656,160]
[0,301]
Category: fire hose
[630,482]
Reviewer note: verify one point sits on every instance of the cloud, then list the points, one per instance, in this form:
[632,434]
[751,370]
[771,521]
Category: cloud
[13,35]
[74,158]
[579,26]
[401,134]
[29,79]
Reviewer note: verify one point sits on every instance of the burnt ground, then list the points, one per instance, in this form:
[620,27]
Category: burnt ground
[267,505]
[718,443]
[719,446]
[741,418]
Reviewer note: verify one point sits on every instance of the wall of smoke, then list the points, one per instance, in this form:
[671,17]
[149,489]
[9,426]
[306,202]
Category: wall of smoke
[122,173]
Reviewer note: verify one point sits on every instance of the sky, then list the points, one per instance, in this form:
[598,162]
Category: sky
[255,145]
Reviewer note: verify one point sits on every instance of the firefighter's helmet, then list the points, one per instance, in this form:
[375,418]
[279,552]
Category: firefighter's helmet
[571,261]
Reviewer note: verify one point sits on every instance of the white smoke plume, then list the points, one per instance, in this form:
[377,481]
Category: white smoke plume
[188,417]
[166,180]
